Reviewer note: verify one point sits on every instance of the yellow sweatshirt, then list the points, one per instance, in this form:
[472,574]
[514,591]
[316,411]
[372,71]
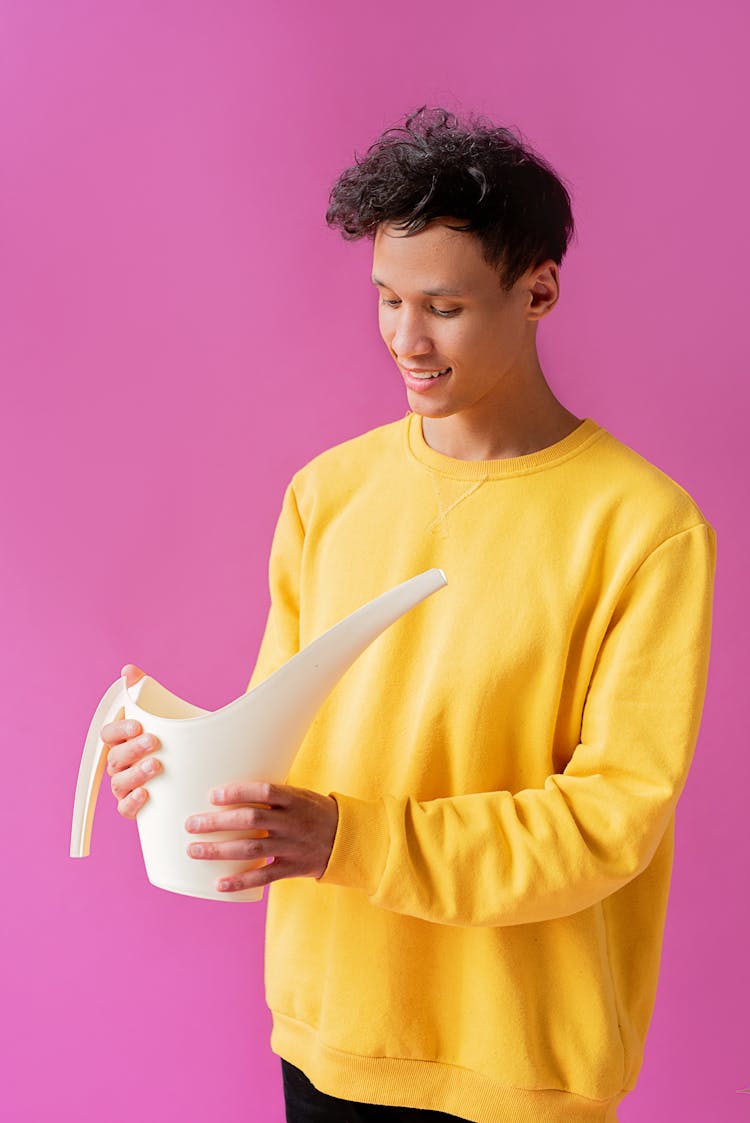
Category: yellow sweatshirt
[506,759]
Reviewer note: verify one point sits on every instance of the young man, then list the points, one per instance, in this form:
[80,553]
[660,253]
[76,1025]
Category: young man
[471,859]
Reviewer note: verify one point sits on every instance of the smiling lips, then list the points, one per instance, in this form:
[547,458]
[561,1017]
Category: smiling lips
[423,379]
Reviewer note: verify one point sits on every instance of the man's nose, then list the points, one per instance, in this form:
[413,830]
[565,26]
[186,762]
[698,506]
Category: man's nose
[410,337]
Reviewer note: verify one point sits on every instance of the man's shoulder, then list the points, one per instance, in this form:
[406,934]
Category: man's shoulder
[647,490]
[355,456]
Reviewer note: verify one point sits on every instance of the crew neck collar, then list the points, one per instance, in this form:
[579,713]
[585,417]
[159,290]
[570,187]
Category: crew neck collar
[582,435]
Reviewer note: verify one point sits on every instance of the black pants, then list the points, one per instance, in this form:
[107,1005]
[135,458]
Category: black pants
[305,1104]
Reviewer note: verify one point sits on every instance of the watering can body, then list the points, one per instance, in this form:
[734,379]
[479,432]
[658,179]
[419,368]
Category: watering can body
[255,737]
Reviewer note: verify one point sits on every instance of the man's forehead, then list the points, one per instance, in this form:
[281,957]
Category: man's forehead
[437,260]
[436,290]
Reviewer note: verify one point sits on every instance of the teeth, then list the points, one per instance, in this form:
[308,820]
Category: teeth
[424,377]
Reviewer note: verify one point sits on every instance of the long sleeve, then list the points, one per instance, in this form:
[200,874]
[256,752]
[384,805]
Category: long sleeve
[503,858]
[281,634]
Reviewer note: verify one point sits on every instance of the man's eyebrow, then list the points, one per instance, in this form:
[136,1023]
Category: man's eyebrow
[443,290]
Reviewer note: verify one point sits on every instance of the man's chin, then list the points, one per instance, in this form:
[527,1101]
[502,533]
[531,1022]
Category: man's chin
[420,403]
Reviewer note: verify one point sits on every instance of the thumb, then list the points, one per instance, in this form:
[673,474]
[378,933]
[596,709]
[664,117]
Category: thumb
[132,673]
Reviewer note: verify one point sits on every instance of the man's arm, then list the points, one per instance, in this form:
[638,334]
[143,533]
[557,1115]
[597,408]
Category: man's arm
[498,858]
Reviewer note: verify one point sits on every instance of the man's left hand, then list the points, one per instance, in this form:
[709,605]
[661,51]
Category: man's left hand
[293,826]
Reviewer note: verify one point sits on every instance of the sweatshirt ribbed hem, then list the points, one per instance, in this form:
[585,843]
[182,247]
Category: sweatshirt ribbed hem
[351,863]
[394,1081]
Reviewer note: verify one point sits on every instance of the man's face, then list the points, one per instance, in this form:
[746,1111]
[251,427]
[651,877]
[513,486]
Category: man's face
[441,306]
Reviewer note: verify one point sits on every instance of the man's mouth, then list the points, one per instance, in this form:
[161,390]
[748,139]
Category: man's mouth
[423,379]
[426,373]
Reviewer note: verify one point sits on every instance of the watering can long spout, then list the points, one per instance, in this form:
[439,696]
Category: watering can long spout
[255,737]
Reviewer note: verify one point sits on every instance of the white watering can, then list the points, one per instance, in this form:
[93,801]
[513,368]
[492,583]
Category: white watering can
[256,737]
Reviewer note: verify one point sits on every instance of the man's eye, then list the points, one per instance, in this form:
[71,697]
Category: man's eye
[436,311]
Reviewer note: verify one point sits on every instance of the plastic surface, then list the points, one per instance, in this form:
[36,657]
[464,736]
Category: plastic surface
[256,737]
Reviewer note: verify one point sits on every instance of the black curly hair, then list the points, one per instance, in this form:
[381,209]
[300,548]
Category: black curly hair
[485,176]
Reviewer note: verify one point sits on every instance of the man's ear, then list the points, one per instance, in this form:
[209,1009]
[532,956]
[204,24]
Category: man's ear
[543,290]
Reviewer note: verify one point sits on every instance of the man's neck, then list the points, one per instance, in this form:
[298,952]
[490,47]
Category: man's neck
[515,432]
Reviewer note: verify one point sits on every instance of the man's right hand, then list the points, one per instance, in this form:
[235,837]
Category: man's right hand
[125,761]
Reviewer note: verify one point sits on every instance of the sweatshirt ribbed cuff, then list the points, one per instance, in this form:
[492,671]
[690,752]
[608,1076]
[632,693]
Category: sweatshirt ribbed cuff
[360,848]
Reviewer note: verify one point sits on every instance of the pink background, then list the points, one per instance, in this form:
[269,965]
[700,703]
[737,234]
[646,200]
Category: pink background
[181,332]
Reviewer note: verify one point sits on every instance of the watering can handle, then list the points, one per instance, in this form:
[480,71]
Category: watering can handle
[90,773]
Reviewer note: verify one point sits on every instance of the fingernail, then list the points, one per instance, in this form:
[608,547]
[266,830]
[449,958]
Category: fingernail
[149,767]
[225,885]
[196,849]
[146,741]
[132,727]
[193,823]
[216,795]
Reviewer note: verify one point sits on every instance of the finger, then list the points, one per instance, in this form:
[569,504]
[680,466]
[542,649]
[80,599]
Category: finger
[256,878]
[238,819]
[124,755]
[234,850]
[270,795]
[114,732]
[132,674]
[132,803]
[123,783]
